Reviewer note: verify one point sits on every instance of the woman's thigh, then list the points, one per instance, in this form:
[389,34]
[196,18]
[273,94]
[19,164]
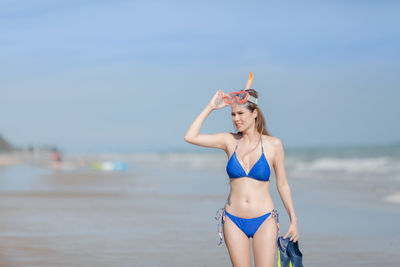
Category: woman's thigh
[238,244]
[264,243]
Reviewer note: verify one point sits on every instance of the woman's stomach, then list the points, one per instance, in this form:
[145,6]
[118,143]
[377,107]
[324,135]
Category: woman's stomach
[249,198]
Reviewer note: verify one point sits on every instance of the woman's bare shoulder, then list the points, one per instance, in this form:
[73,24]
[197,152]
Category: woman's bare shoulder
[274,148]
[230,139]
[273,141]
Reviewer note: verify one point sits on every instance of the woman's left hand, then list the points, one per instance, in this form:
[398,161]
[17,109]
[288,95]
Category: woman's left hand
[293,231]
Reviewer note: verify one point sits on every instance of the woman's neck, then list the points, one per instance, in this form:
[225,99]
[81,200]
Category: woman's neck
[251,135]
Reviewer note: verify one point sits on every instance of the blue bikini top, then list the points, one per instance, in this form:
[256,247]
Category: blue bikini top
[259,171]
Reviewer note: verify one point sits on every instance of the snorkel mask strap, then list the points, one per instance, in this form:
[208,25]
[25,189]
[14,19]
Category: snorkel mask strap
[252,99]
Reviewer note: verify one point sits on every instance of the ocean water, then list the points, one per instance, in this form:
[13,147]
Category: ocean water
[373,169]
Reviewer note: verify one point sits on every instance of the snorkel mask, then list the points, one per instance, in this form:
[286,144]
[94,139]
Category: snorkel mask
[243,96]
[240,97]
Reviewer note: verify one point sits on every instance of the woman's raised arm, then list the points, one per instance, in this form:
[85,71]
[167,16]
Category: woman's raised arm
[193,135]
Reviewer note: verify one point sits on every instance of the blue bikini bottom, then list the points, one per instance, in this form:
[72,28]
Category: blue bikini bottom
[248,226]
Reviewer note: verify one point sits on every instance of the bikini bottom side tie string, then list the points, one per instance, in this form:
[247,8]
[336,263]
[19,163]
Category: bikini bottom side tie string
[220,218]
[275,215]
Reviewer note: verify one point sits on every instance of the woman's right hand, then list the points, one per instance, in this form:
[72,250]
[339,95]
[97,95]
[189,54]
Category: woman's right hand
[217,101]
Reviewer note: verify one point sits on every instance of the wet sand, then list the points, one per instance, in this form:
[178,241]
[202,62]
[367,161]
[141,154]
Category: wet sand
[95,229]
[88,219]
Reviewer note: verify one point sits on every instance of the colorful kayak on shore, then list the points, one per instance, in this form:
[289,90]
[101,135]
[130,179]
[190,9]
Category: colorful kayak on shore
[109,166]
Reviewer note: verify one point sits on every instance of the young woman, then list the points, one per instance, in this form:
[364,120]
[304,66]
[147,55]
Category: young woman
[249,206]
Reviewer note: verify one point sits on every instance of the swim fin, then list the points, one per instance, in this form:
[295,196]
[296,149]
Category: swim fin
[296,257]
[283,256]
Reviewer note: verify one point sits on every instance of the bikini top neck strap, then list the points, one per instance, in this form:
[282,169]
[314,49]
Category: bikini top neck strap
[262,148]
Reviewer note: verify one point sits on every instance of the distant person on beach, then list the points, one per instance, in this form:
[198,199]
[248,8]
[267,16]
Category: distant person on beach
[56,155]
[249,210]
[57,160]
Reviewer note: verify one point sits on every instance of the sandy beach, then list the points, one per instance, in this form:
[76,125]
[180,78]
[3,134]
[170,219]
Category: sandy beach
[160,212]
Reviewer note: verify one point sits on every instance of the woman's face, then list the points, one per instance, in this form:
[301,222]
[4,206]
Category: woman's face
[242,117]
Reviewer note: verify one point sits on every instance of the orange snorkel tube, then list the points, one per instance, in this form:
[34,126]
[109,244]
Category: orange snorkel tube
[249,81]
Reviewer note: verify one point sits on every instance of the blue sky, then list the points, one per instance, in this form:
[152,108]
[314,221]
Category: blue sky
[93,76]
